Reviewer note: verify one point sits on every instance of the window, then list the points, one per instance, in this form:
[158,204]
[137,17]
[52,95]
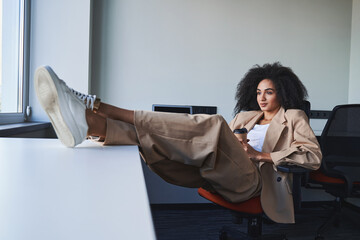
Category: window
[13,60]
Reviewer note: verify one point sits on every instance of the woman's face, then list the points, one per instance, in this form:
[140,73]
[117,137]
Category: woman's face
[267,97]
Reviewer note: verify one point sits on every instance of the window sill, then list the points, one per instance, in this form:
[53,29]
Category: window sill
[8,130]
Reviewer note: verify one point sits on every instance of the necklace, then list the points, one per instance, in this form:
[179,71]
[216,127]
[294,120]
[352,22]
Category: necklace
[265,121]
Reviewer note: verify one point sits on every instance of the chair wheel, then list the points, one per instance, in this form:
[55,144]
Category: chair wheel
[283,237]
[223,235]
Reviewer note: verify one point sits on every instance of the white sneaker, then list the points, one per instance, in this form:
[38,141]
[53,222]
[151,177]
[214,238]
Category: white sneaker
[63,105]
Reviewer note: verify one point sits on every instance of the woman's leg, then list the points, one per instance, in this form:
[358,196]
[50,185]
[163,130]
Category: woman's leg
[185,150]
[112,132]
[190,150]
[109,111]
[98,118]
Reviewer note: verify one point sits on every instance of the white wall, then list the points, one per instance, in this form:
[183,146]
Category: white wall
[354,82]
[195,52]
[60,37]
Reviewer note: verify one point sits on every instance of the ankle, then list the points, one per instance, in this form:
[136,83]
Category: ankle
[96,124]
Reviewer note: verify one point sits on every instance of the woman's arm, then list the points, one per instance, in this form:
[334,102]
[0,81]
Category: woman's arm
[304,149]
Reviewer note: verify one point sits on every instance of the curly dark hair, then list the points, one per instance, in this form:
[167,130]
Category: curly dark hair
[289,89]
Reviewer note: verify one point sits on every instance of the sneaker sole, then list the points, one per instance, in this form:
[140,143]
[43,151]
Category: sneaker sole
[49,99]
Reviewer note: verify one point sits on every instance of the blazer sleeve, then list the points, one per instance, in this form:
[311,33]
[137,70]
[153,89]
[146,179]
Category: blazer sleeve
[233,122]
[304,149]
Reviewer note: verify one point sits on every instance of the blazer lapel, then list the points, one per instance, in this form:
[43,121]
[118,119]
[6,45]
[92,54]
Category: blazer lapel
[274,131]
[249,125]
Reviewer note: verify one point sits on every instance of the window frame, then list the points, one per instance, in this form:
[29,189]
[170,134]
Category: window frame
[8,118]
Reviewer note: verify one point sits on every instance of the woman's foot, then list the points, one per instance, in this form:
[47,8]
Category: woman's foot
[64,106]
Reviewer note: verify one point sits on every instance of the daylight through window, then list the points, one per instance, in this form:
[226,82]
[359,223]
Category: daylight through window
[11,55]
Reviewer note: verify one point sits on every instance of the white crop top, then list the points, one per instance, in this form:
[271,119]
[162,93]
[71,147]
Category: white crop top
[257,136]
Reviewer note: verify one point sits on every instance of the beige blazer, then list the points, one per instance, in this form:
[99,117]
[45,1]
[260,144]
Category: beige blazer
[289,139]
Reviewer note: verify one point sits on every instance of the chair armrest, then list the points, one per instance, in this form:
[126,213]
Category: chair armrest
[300,177]
[300,174]
[292,169]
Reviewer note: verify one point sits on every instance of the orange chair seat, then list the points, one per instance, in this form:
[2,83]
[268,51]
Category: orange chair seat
[251,206]
[320,177]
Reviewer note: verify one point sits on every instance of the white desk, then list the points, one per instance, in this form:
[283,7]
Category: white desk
[48,192]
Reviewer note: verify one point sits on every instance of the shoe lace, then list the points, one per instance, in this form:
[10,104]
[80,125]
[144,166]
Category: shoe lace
[89,100]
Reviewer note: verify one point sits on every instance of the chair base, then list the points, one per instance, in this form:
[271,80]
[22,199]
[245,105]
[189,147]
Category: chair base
[250,210]
[254,229]
[336,217]
[333,219]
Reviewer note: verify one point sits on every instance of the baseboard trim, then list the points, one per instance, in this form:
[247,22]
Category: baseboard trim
[184,206]
[207,206]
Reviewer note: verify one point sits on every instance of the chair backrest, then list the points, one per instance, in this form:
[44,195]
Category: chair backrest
[306,108]
[341,134]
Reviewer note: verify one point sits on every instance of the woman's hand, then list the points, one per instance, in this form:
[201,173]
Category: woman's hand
[251,152]
[255,155]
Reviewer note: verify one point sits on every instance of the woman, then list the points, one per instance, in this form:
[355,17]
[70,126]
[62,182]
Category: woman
[201,150]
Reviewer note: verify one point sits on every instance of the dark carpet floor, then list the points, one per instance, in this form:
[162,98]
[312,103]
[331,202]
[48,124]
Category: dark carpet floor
[203,221]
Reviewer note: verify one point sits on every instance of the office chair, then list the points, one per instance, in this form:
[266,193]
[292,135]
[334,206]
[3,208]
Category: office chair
[339,171]
[251,209]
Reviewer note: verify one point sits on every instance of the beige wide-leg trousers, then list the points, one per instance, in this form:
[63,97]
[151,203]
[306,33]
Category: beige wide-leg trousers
[190,151]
